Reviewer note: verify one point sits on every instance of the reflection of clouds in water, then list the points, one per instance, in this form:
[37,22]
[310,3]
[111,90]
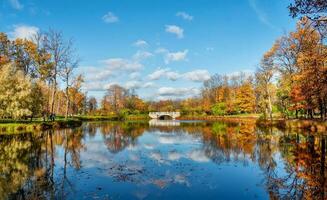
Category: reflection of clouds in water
[198,156]
[134,157]
[132,147]
[157,157]
[141,194]
[177,139]
[174,155]
[95,155]
[181,179]
[149,146]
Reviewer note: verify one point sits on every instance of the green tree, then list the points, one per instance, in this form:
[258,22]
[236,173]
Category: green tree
[15,93]
[219,109]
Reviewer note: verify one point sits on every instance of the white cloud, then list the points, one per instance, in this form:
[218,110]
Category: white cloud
[120,64]
[95,73]
[178,92]
[148,85]
[164,72]
[161,50]
[16,4]
[135,75]
[141,55]
[173,76]
[140,43]
[133,85]
[178,31]
[110,18]
[176,56]
[185,16]
[172,56]
[97,86]
[197,75]
[23,32]
[158,74]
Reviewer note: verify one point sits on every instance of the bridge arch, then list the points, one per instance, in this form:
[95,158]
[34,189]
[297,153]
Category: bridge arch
[164,115]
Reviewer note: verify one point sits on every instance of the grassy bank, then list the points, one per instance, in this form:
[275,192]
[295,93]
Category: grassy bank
[10,127]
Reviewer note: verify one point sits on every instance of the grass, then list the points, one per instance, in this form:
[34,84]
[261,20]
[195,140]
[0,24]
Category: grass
[12,126]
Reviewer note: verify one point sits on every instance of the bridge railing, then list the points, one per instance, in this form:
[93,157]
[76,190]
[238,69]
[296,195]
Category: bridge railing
[164,113]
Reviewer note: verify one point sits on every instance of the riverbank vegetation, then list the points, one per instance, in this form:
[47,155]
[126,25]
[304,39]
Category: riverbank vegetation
[19,126]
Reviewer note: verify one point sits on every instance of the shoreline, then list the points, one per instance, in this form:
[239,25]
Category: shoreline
[27,126]
[312,125]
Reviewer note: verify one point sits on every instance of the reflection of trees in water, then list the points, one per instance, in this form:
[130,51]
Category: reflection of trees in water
[118,136]
[305,166]
[224,142]
[28,160]
[303,157]
[23,166]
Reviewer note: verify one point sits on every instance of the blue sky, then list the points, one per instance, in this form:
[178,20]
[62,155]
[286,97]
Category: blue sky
[161,48]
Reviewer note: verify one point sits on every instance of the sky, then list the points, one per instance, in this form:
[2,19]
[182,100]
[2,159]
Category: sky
[162,49]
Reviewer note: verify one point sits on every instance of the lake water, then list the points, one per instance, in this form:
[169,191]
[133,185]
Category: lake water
[163,160]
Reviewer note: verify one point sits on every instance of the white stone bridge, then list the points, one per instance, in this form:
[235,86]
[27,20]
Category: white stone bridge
[164,115]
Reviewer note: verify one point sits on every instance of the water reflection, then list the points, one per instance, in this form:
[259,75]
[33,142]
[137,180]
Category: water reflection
[156,122]
[136,161]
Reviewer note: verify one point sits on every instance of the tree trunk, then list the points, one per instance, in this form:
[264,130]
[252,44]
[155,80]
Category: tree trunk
[54,91]
[269,105]
[67,101]
[322,167]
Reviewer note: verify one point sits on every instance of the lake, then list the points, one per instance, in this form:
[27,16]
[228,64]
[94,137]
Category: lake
[163,160]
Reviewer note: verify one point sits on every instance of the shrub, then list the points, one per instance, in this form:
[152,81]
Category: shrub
[219,109]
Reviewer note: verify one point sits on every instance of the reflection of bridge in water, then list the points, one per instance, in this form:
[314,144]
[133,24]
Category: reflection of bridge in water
[164,115]
[156,122]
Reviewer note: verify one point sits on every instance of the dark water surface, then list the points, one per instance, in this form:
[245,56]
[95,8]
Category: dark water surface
[163,160]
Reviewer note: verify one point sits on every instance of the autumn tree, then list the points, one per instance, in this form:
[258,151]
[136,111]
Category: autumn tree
[246,97]
[59,50]
[76,97]
[15,93]
[69,64]
[264,78]
[116,96]
[315,10]
[92,104]
[5,48]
